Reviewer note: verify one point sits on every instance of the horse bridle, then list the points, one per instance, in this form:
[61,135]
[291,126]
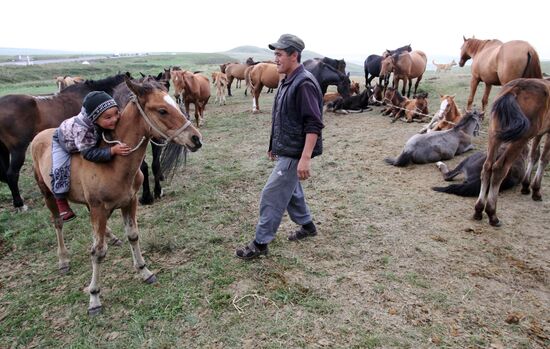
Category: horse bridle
[148,120]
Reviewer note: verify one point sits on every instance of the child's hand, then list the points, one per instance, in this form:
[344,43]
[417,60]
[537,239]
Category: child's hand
[120,149]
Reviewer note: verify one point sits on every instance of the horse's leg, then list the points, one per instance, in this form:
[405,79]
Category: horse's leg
[473,87]
[146,197]
[485,99]
[499,171]
[157,173]
[485,176]
[229,82]
[17,158]
[533,157]
[62,252]
[132,233]
[197,114]
[450,175]
[98,216]
[416,84]
[543,161]
[113,240]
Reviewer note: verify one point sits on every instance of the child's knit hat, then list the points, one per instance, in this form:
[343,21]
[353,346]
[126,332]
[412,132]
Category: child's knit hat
[96,102]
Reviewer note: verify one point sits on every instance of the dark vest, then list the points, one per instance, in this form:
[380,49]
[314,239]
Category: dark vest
[287,133]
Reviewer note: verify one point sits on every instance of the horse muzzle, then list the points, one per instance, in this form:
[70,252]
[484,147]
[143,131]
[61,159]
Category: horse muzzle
[197,144]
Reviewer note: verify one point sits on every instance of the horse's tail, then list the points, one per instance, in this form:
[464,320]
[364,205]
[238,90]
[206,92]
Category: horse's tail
[512,120]
[4,162]
[532,68]
[470,188]
[402,160]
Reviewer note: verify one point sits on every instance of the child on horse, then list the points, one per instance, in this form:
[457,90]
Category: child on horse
[82,133]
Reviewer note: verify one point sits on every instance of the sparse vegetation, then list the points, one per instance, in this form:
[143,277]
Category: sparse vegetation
[395,265]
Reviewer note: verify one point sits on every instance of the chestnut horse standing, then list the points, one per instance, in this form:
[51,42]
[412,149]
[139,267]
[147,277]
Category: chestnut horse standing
[263,74]
[405,66]
[104,187]
[497,63]
[192,88]
[520,112]
[23,116]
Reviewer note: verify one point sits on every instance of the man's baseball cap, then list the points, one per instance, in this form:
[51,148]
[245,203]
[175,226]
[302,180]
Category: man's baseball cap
[286,41]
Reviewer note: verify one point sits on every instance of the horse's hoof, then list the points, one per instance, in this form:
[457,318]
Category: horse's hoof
[151,279]
[526,191]
[115,242]
[478,216]
[94,311]
[23,208]
[64,270]
[146,201]
[495,222]
[536,197]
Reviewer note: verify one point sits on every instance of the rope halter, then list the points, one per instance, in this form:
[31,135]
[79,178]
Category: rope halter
[149,122]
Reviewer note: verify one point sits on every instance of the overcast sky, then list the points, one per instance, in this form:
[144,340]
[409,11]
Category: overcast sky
[344,29]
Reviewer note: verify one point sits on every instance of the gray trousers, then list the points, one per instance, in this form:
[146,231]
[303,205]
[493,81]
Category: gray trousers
[61,169]
[282,191]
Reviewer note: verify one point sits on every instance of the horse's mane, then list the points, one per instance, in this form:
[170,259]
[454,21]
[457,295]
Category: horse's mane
[467,118]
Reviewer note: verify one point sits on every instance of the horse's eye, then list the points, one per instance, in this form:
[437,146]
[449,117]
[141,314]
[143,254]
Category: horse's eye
[163,112]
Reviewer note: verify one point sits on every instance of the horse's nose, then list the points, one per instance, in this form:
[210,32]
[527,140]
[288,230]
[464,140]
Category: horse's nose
[197,141]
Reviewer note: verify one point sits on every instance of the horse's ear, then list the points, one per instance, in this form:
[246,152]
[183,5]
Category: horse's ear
[134,87]
[453,96]
[347,74]
[142,75]
[463,37]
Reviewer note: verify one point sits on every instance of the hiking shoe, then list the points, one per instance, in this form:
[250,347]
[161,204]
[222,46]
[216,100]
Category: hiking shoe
[301,234]
[250,251]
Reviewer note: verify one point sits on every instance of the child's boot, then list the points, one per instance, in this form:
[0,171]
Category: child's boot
[64,210]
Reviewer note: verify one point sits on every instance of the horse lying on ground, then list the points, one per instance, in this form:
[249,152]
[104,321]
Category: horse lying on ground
[442,145]
[104,187]
[471,168]
[446,118]
[399,106]
[357,103]
[520,112]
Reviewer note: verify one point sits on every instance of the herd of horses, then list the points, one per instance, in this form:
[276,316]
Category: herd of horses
[520,113]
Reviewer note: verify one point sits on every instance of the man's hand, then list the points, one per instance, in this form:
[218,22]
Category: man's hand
[304,168]
[270,156]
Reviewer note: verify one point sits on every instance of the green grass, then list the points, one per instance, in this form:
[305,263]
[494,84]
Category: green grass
[332,291]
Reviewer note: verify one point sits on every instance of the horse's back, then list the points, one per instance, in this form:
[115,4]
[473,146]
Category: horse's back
[517,59]
[18,119]
[419,62]
[265,73]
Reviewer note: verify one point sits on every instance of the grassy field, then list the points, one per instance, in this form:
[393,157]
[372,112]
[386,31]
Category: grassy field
[395,265]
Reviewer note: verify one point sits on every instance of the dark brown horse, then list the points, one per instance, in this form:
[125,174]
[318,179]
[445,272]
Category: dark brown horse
[521,112]
[105,187]
[23,116]
[497,63]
